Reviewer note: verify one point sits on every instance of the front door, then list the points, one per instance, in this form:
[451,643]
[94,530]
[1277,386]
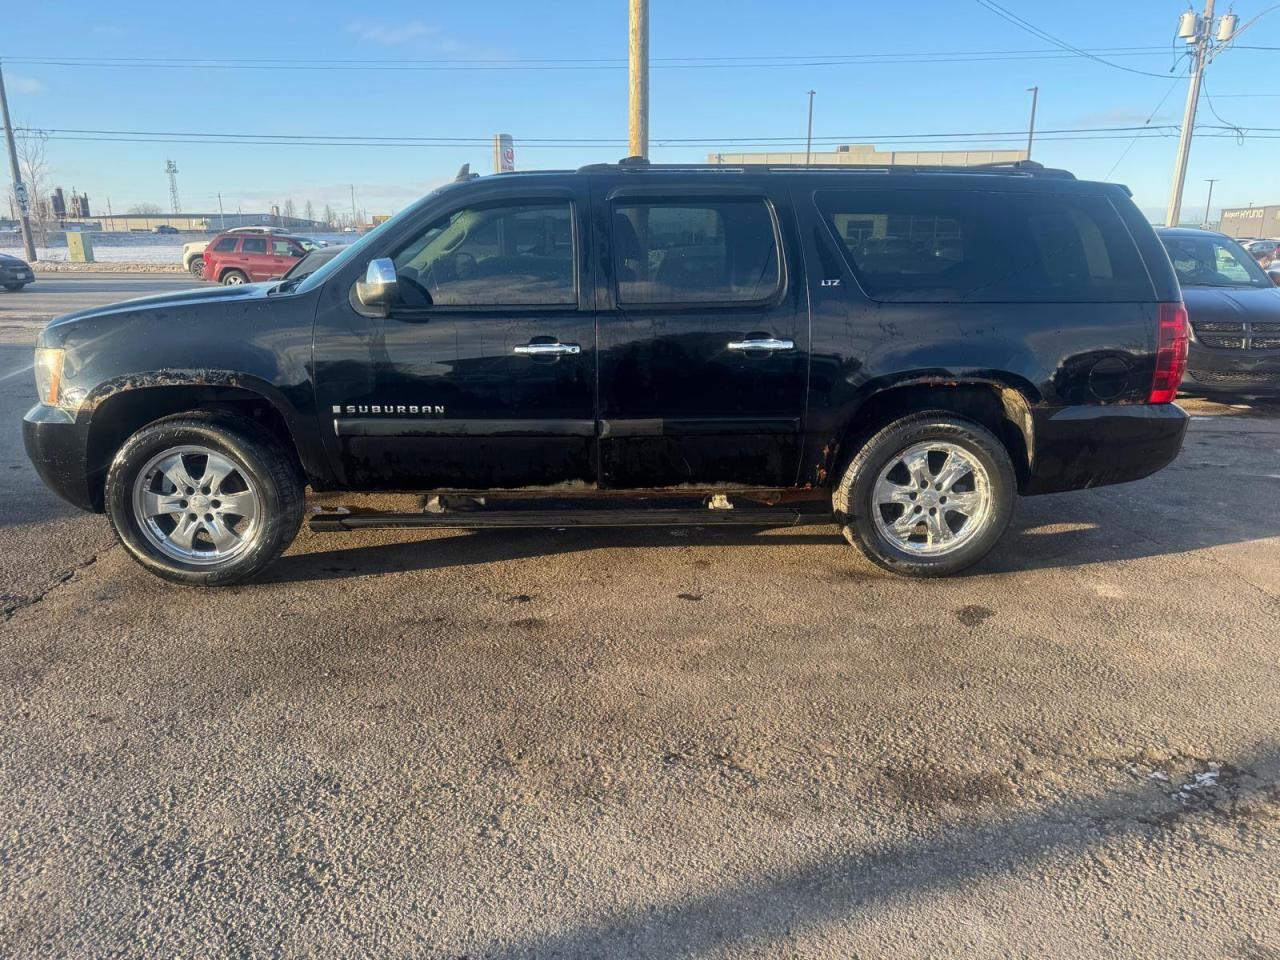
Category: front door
[704,353]
[284,254]
[482,376]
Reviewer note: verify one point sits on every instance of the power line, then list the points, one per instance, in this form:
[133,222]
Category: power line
[1032,29]
[670,63]
[1151,116]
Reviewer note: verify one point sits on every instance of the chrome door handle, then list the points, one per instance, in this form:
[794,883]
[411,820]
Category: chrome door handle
[765,343]
[548,349]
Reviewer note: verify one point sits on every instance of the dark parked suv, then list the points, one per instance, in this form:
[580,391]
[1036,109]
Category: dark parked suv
[1234,308]
[901,349]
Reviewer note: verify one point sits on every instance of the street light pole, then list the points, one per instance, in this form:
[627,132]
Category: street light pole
[1031,130]
[1207,202]
[808,143]
[19,188]
[638,86]
[1203,36]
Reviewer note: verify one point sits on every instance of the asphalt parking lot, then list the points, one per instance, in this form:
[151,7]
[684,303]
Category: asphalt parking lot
[648,743]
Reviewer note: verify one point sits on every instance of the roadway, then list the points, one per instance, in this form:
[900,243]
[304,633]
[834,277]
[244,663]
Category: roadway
[651,743]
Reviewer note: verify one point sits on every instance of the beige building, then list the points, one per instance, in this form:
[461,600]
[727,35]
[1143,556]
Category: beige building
[866,153]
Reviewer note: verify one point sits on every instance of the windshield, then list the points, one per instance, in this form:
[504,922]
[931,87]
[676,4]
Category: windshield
[358,249]
[1213,262]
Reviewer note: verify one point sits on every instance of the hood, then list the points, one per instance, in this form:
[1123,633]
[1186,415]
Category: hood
[212,294]
[1232,304]
[12,261]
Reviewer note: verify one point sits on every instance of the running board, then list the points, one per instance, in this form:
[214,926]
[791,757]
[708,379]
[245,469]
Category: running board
[654,517]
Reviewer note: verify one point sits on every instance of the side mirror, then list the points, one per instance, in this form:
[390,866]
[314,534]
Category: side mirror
[379,286]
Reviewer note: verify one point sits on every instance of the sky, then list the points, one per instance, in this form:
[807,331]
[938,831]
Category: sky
[468,70]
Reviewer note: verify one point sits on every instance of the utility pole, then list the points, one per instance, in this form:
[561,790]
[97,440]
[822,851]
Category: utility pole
[1207,202]
[222,217]
[1031,130]
[638,87]
[19,188]
[1200,37]
[111,219]
[353,206]
[808,140]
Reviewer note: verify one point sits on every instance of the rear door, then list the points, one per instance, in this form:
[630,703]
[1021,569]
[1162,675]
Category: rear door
[255,258]
[704,347]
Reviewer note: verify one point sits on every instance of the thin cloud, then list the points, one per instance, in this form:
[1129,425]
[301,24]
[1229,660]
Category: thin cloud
[1119,116]
[21,84]
[394,35]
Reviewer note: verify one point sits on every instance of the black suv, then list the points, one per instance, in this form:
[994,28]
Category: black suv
[903,349]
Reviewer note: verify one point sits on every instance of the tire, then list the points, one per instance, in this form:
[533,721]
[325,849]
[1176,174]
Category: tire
[196,267]
[887,486]
[217,544]
[14,287]
[233,278]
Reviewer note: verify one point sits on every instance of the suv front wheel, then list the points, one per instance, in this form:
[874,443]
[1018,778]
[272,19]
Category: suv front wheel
[928,495]
[204,500]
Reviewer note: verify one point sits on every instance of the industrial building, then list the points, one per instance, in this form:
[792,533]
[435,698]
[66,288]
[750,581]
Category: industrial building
[866,153]
[188,222]
[1247,222]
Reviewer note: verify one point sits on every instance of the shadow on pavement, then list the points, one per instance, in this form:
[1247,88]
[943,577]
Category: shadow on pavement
[751,915]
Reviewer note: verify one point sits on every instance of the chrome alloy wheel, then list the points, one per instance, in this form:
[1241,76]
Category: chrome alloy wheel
[932,499]
[197,506]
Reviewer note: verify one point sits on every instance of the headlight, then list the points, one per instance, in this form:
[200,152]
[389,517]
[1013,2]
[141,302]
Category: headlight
[48,374]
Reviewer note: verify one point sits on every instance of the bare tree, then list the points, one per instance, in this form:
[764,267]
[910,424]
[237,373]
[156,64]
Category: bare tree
[309,211]
[290,210]
[329,216]
[146,209]
[33,161]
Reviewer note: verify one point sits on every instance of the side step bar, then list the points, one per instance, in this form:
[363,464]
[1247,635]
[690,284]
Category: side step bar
[654,517]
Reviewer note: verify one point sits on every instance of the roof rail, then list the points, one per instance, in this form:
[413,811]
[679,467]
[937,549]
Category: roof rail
[1024,168]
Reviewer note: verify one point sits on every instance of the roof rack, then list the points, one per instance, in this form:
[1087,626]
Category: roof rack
[1023,168]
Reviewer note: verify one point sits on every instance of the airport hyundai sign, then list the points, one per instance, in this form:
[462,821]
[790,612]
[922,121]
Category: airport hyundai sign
[1247,222]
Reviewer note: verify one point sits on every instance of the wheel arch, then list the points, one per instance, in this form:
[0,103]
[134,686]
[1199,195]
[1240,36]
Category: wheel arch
[1003,406]
[119,409]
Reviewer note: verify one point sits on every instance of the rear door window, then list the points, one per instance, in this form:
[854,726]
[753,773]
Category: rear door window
[253,245]
[702,251]
[980,246]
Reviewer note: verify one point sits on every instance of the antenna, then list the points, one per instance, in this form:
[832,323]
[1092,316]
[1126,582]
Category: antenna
[171,169]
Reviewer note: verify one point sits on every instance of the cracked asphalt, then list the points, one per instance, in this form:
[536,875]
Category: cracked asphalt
[648,743]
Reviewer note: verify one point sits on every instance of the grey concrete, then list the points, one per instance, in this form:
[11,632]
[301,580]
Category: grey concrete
[656,743]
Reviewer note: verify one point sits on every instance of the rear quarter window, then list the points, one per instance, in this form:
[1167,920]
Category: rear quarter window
[980,246]
[225,245]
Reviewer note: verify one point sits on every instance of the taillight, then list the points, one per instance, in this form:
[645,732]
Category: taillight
[1171,353]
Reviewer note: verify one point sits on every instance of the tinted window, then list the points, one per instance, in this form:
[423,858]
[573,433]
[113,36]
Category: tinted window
[495,256]
[672,252]
[976,246]
[253,245]
[1213,262]
[225,245]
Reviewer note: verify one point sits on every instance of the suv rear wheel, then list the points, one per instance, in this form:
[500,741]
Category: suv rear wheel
[204,501]
[928,495]
[232,278]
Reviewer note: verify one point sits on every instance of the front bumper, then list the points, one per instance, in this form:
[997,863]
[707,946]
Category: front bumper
[57,445]
[1231,371]
[1091,446]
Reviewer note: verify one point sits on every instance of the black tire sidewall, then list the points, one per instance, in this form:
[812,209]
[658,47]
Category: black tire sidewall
[248,446]
[889,443]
